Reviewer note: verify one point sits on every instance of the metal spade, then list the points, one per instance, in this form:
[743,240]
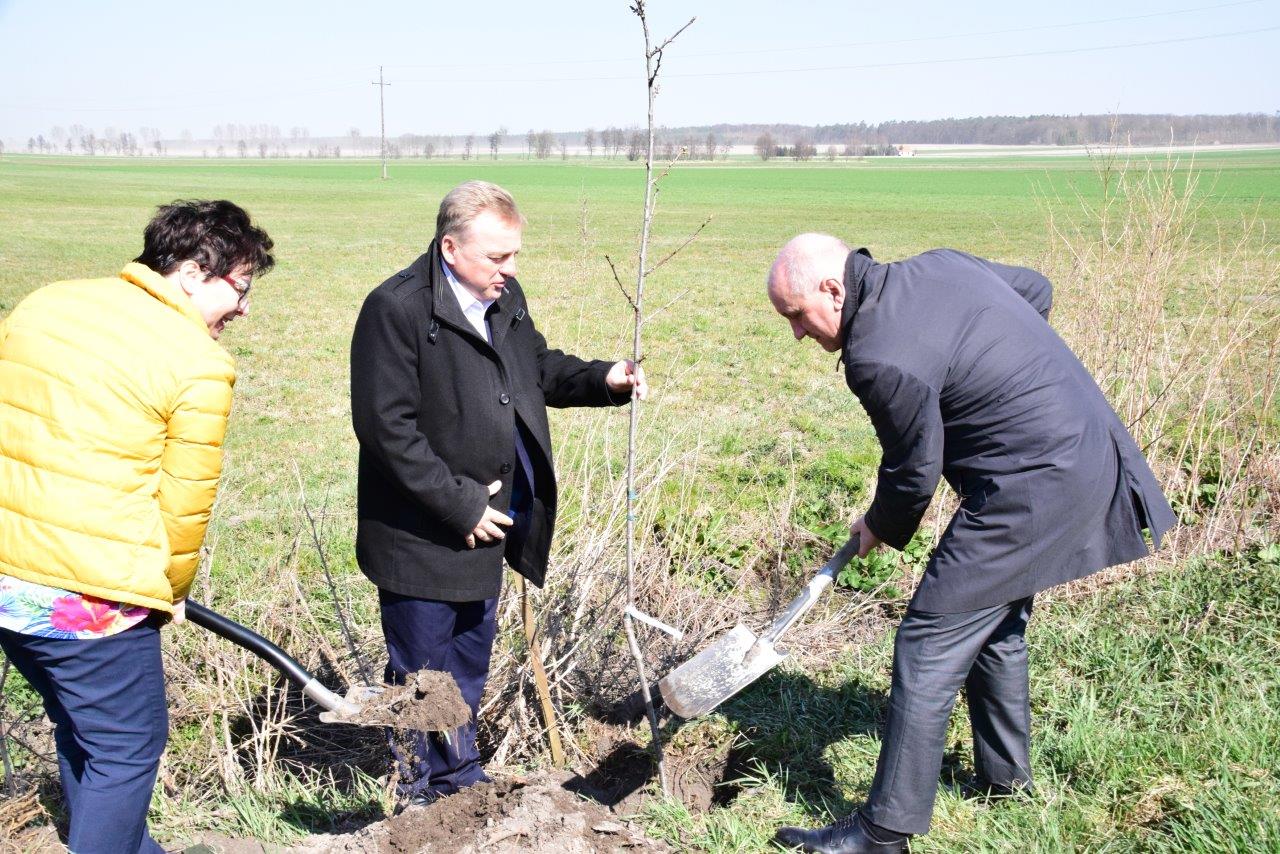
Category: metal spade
[738,658]
[338,709]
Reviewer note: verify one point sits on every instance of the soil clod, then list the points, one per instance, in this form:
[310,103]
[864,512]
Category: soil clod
[515,814]
[429,700]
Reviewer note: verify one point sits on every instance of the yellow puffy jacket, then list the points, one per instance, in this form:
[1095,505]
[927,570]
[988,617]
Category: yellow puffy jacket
[113,407]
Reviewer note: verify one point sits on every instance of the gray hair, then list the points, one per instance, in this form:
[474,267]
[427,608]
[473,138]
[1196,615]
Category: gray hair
[467,201]
[807,259]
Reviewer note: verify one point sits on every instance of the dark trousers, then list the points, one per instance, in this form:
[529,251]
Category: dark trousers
[456,637]
[106,700]
[934,656]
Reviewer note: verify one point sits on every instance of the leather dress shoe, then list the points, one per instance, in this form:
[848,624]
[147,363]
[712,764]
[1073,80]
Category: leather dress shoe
[845,836]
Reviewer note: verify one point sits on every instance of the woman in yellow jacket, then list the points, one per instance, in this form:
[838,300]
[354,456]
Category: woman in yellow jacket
[114,398]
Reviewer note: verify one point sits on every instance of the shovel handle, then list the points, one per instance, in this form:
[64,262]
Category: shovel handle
[809,596]
[207,618]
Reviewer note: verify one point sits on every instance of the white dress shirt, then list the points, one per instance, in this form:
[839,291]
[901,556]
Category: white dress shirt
[472,309]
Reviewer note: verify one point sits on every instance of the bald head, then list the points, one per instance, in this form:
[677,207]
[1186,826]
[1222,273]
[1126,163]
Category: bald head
[806,260]
[806,286]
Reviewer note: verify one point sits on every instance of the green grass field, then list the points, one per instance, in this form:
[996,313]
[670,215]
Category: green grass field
[1155,696]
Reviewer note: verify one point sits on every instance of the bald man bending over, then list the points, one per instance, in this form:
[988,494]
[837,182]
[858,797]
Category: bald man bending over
[955,363]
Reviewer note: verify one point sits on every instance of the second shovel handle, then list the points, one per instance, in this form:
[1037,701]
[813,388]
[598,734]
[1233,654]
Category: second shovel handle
[820,582]
[207,618]
[290,667]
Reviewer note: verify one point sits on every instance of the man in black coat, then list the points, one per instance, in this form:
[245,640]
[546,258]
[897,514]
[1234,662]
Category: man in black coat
[962,377]
[450,381]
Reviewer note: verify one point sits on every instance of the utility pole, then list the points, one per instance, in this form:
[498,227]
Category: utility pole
[382,112]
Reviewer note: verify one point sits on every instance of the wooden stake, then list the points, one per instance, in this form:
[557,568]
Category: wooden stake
[540,674]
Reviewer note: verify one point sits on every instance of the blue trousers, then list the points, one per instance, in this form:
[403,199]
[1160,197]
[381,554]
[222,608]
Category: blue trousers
[106,700]
[456,637]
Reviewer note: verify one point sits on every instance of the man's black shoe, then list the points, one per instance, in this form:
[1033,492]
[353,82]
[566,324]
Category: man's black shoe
[848,835]
[425,798]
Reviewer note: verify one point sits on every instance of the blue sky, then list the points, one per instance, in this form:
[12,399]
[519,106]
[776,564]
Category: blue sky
[462,67]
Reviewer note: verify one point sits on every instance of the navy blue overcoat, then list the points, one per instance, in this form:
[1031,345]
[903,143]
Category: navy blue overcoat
[953,358]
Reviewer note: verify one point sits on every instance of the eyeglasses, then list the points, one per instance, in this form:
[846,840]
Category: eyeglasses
[241,288]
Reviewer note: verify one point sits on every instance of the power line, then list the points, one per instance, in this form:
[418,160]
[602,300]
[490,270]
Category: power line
[873,43]
[980,34]
[869,65]
[204,105]
[1051,52]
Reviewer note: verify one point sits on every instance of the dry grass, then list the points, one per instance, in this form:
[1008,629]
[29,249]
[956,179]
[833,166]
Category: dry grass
[20,812]
[1183,335]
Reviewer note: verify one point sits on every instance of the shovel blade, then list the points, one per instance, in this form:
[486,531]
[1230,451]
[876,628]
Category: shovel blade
[356,697]
[719,671]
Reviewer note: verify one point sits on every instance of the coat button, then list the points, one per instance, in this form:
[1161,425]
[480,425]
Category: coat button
[504,398]
[506,468]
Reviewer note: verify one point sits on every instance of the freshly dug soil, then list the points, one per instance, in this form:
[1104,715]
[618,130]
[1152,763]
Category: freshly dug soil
[519,814]
[213,843]
[699,777]
[429,700]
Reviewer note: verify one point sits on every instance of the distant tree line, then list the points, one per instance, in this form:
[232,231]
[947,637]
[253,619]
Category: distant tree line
[242,140]
[264,140]
[713,142]
[78,139]
[802,148]
[1020,130]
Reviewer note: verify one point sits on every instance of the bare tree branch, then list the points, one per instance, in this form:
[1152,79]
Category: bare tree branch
[670,303]
[674,35]
[655,53]
[621,286]
[365,672]
[667,169]
[677,250]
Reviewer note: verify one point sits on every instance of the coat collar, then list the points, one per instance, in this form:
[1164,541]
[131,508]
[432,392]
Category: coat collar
[164,290]
[856,267]
[444,305]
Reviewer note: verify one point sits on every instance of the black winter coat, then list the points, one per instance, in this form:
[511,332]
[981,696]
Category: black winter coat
[434,408]
[955,363]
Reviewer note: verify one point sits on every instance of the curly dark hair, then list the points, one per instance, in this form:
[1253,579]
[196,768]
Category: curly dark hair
[217,235]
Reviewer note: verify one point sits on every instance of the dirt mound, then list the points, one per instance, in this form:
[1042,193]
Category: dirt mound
[700,771]
[518,814]
[213,843]
[429,700]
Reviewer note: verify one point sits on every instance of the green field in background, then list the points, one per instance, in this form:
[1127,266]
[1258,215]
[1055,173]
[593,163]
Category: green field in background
[340,230]
[1151,706]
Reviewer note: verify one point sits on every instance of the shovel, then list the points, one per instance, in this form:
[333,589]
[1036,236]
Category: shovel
[739,658]
[338,709]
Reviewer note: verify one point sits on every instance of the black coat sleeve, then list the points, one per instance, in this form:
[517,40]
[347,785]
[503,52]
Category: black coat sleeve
[385,400]
[908,422]
[567,380]
[1030,285]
